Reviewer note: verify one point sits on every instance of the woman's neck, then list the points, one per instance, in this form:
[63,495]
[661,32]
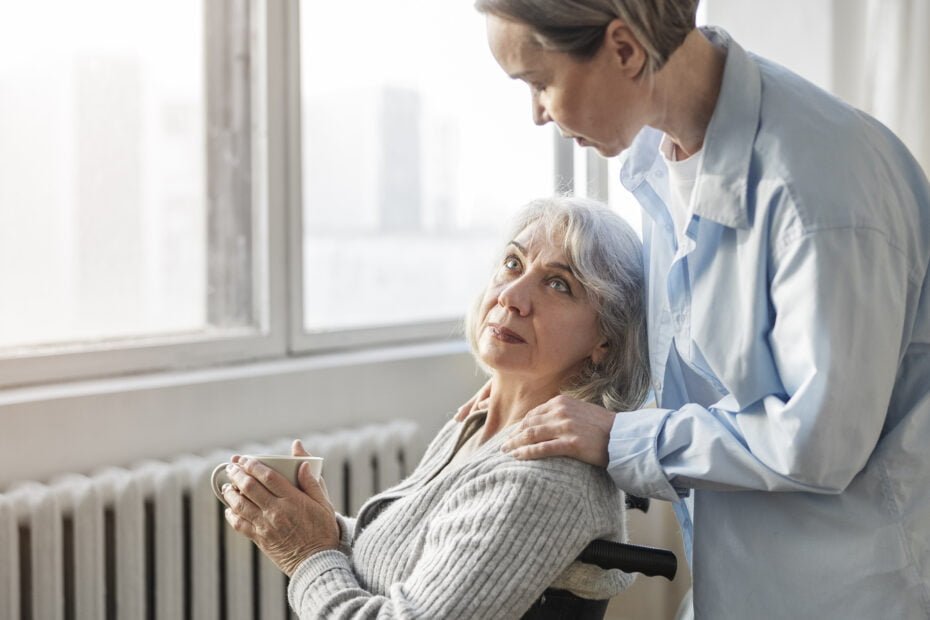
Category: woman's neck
[686,92]
[511,399]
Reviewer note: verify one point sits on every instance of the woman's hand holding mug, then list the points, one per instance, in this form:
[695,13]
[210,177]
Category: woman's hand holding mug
[289,524]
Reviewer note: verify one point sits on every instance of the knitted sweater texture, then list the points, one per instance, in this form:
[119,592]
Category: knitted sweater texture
[480,539]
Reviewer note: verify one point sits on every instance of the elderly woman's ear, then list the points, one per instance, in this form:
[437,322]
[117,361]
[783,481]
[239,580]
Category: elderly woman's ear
[600,353]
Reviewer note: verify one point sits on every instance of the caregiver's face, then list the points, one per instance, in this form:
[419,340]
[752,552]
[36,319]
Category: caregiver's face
[590,100]
[536,320]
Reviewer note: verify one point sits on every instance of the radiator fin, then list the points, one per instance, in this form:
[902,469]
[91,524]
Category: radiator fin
[151,541]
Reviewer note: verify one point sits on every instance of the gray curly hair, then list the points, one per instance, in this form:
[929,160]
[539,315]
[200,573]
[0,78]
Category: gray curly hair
[577,26]
[606,258]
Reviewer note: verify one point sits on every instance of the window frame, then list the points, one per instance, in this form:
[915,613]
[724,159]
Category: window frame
[300,340]
[30,365]
[394,334]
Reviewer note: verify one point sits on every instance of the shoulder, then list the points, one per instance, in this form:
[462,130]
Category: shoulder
[560,470]
[821,171]
[822,164]
[561,482]
[798,120]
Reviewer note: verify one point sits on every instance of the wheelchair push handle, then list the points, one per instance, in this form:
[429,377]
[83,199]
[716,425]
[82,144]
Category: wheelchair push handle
[649,561]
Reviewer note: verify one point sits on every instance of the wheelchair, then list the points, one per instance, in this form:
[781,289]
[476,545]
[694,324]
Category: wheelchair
[562,605]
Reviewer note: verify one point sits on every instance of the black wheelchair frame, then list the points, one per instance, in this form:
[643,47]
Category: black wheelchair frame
[558,604]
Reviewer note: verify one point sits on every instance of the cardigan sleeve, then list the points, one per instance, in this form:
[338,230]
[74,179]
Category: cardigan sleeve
[498,542]
[346,532]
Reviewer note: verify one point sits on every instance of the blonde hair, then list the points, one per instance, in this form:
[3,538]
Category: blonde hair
[606,257]
[577,26]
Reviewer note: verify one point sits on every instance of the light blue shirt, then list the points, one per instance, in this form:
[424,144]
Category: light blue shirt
[790,346]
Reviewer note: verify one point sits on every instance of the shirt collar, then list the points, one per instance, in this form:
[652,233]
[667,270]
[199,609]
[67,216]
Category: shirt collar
[722,183]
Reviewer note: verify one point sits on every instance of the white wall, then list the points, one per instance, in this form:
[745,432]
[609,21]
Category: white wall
[82,426]
[871,53]
[795,33]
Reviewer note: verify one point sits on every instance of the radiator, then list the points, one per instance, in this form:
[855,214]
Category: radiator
[151,541]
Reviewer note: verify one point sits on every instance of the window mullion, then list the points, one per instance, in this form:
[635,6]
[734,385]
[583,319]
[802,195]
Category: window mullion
[563,157]
[229,164]
[290,31]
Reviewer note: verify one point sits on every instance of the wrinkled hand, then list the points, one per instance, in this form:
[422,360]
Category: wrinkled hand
[476,403]
[563,426]
[288,524]
[297,449]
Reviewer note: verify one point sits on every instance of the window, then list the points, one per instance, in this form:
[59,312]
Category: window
[102,171]
[158,158]
[416,148]
[130,221]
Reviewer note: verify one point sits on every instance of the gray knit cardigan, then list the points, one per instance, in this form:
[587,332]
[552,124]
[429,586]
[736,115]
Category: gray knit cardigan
[482,539]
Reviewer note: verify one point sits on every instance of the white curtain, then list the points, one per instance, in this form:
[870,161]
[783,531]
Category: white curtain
[875,54]
[895,77]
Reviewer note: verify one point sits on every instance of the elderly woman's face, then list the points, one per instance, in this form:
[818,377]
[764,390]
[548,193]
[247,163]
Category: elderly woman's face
[593,101]
[536,320]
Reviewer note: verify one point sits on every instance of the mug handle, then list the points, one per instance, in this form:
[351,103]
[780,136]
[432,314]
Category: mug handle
[218,479]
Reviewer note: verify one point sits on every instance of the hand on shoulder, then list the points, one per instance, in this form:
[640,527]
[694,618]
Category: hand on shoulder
[564,426]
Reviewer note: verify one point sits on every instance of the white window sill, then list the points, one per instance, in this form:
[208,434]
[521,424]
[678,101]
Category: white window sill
[83,426]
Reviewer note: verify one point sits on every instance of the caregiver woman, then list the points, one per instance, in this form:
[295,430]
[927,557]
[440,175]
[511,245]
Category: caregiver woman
[787,238]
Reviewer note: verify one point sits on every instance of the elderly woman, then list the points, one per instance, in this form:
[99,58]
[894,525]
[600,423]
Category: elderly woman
[787,238]
[473,532]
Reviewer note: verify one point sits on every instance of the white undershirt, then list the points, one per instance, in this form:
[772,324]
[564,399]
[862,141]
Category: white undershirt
[681,178]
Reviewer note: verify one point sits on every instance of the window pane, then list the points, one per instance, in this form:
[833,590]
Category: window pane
[125,171]
[102,170]
[416,149]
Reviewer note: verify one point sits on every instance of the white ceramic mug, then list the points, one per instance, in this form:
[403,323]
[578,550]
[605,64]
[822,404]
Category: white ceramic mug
[287,466]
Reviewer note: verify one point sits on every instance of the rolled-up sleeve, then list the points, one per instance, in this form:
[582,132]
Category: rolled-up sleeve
[634,460]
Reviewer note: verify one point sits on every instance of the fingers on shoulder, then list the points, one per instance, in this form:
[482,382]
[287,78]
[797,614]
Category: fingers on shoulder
[556,408]
[545,448]
[548,427]
[564,408]
[535,434]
